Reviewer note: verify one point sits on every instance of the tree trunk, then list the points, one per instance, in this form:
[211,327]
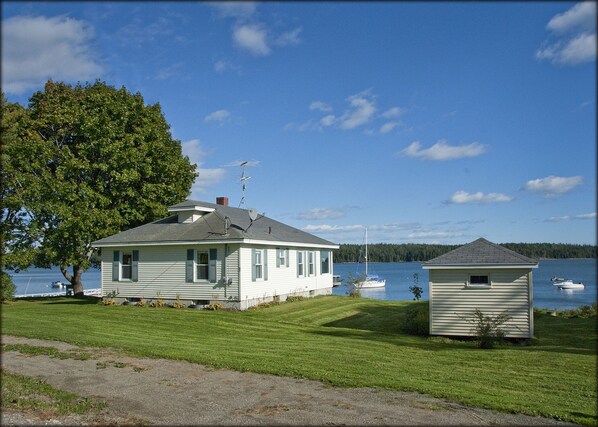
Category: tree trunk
[74,279]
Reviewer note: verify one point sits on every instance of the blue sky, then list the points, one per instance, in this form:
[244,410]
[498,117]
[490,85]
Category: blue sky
[425,122]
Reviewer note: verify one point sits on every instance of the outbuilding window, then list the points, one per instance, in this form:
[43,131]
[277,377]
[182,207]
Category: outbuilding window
[325,261]
[478,281]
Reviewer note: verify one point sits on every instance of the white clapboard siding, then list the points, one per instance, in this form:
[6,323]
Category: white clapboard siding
[162,270]
[451,300]
[281,280]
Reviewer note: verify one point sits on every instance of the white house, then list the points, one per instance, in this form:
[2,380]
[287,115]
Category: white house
[485,276]
[205,253]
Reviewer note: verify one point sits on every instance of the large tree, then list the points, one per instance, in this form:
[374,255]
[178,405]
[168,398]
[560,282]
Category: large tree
[84,162]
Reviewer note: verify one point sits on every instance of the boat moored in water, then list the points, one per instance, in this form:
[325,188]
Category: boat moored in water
[566,283]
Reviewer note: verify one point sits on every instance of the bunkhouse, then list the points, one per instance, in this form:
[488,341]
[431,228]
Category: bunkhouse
[481,275]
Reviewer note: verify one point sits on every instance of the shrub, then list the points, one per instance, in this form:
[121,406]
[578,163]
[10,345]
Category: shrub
[355,293]
[487,329]
[214,306]
[141,302]
[416,319]
[416,290]
[109,299]
[159,302]
[294,298]
[178,303]
[7,288]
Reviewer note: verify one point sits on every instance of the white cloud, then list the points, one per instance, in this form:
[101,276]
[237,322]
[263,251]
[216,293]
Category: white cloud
[591,215]
[289,38]
[442,151]
[326,228]
[576,36]
[207,177]
[582,16]
[219,116]
[38,48]
[434,234]
[553,186]
[387,127]
[328,120]
[362,108]
[463,197]
[321,213]
[252,37]
[321,106]
[393,112]
[223,65]
[234,9]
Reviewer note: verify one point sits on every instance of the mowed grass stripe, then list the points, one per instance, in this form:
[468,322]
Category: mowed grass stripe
[342,341]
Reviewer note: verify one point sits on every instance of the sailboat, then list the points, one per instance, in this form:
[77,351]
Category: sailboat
[370,280]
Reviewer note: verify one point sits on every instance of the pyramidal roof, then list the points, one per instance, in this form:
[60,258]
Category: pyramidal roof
[481,252]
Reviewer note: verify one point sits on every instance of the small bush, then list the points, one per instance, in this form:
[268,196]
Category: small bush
[416,290]
[264,305]
[214,306]
[178,303]
[141,302]
[487,329]
[294,298]
[416,320]
[7,288]
[355,293]
[159,302]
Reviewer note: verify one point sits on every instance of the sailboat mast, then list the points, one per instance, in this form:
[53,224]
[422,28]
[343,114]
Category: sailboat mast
[366,252]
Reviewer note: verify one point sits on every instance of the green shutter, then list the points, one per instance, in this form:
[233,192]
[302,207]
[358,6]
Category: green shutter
[116,266]
[286,257]
[135,267]
[212,265]
[189,266]
[253,265]
[265,264]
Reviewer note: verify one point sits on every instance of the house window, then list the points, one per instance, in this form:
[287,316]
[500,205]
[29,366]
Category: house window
[299,263]
[325,262]
[201,265]
[310,263]
[478,281]
[282,258]
[126,266]
[258,265]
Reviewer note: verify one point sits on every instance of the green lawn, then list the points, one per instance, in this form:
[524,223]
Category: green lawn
[343,341]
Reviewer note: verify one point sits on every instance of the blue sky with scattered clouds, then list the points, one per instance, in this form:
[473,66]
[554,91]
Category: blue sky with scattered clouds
[425,122]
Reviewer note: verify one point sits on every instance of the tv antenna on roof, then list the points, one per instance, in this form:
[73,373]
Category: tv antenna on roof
[243,182]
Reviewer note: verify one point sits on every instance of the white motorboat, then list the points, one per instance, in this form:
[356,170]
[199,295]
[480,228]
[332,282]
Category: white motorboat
[369,280]
[57,284]
[566,283]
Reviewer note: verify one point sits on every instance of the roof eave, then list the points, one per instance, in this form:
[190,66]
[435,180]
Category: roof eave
[476,266]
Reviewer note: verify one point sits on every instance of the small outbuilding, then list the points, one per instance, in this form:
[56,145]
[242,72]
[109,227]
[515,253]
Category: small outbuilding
[481,275]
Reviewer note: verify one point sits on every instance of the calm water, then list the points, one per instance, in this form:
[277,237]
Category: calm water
[398,275]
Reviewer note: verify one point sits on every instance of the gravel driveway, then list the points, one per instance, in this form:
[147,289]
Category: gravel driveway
[167,392]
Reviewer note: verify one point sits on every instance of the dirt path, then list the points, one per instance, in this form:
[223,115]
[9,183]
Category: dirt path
[166,392]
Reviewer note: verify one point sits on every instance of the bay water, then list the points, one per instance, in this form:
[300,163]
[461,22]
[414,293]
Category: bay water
[398,275]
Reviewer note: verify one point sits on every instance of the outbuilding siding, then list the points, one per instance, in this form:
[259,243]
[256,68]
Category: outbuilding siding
[451,300]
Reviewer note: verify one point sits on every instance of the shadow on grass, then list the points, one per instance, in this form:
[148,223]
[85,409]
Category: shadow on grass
[407,324]
[83,300]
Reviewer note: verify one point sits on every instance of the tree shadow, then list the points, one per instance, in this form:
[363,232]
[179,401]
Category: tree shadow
[73,300]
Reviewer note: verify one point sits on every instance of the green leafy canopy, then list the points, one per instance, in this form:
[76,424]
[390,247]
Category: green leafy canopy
[81,163]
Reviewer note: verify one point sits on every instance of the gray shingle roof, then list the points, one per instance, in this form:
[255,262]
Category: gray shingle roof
[480,252]
[212,227]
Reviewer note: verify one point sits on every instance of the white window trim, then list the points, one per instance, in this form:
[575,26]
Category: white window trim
[259,253]
[196,279]
[329,263]
[121,264]
[311,265]
[302,263]
[470,285]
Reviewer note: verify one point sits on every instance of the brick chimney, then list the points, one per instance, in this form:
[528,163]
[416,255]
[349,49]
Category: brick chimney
[222,201]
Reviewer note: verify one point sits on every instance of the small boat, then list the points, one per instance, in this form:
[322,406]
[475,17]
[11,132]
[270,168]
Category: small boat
[566,283]
[336,280]
[57,284]
[369,280]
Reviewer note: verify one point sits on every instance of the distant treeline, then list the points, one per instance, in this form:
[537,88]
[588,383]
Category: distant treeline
[386,252]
